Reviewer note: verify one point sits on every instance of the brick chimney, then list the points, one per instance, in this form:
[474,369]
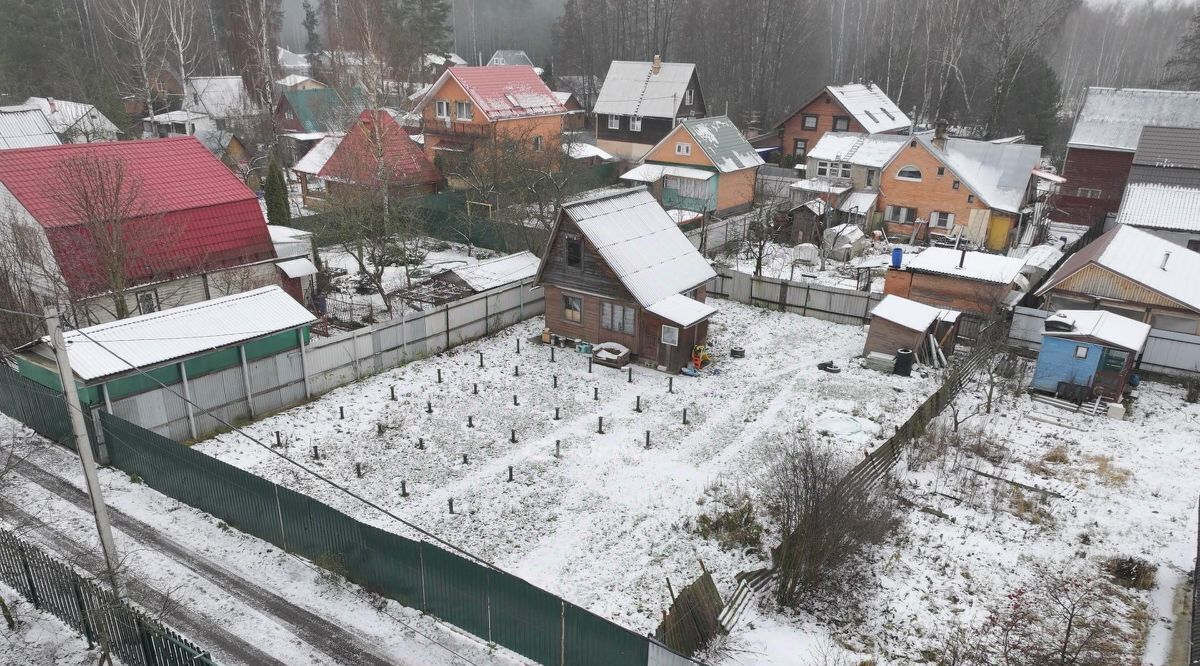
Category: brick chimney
[939,133]
[656,65]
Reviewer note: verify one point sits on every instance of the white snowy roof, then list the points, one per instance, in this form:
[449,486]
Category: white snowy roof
[722,142]
[998,173]
[1042,256]
[1105,326]
[25,127]
[290,60]
[499,271]
[1138,256]
[640,243]
[293,80]
[860,203]
[874,110]
[630,89]
[218,96]
[438,59]
[820,185]
[652,173]
[1155,206]
[152,339]
[682,310]
[843,234]
[316,157]
[176,117]
[869,150]
[581,151]
[562,97]
[298,267]
[909,314]
[1113,118]
[975,265]
[74,117]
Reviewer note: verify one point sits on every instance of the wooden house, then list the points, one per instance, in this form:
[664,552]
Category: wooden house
[969,282]
[899,323]
[727,163]
[641,102]
[976,190]
[576,118]
[227,147]
[1088,354]
[1103,141]
[315,111]
[854,107]
[1133,273]
[617,269]
[375,148]
[296,82]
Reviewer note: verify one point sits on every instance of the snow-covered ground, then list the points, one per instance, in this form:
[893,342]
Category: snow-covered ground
[780,261]
[606,523]
[40,637]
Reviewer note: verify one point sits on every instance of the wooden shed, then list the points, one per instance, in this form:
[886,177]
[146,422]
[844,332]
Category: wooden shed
[1088,354]
[898,323]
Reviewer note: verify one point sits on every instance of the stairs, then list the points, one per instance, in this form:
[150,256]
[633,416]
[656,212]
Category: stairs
[1093,408]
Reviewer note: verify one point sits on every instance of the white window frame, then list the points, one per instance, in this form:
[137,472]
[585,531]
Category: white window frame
[614,122]
[566,300]
[635,123]
[844,170]
[458,110]
[901,170]
[441,109]
[691,188]
[904,219]
[1081,352]
[684,149]
[670,335]
[689,97]
[871,176]
[941,220]
[822,168]
[537,144]
[155,304]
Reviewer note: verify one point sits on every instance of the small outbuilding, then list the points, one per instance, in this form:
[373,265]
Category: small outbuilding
[1088,354]
[898,323]
[843,242]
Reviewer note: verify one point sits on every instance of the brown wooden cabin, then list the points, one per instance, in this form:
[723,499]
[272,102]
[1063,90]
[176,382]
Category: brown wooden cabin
[898,323]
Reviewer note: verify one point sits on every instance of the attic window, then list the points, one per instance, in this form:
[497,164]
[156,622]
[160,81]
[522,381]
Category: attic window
[683,148]
[574,251]
[909,173]
[689,96]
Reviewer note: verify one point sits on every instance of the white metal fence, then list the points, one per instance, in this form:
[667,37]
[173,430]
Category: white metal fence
[842,306]
[1166,352]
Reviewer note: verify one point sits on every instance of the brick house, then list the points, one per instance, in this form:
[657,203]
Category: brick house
[616,268]
[641,102]
[973,283]
[976,190]
[852,159]
[1103,141]
[850,108]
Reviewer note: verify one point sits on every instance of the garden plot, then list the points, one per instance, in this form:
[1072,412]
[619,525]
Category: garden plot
[607,522]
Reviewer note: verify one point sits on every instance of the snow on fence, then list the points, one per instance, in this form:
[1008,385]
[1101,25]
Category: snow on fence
[841,306]
[135,638]
[1166,352]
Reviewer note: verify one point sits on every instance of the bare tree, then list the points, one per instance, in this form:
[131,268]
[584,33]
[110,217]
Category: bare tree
[139,25]
[183,35]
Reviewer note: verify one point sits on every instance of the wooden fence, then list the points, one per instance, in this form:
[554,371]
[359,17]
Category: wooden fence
[842,306]
[692,621]
[130,635]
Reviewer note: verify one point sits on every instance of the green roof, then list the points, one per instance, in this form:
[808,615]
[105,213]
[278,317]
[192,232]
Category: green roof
[322,109]
[724,144]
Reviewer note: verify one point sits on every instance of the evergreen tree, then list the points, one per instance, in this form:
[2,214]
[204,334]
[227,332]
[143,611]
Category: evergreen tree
[1033,103]
[311,23]
[279,211]
[427,22]
[1183,69]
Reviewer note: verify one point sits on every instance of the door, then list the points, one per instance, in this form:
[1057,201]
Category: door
[998,232]
[1110,374]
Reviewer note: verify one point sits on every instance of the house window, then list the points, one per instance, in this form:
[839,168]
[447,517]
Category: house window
[809,122]
[800,149]
[537,144]
[822,168]
[462,110]
[900,214]
[941,171]
[1174,323]
[941,220]
[870,177]
[1194,245]
[614,317]
[970,198]
[841,124]
[955,184]
[614,122]
[572,309]
[442,109]
[670,335]
[909,173]
[689,96]
[147,301]
[1088,193]
[574,251]
[635,123]
[844,170]
[1080,351]
[689,188]
[683,149]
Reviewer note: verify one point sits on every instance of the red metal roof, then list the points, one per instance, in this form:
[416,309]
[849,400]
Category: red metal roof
[194,212]
[505,91]
[355,160]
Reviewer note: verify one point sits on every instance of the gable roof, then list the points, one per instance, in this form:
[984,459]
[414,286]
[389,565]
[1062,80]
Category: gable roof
[1113,118]
[1155,206]
[979,266]
[439,59]
[869,150]
[1168,147]
[631,89]
[1138,256]
[354,159]
[195,212]
[295,79]
[1108,327]
[25,127]
[290,61]
[218,96]
[316,157]
[907,313]
[501,92]
[868,104]
[998,173]
[638,241]
[509,57]
[721,141]
[321,109]
[74,118]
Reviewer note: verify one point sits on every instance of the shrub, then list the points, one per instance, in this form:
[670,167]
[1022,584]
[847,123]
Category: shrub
[1133,572]
[1056,455]
[735,526]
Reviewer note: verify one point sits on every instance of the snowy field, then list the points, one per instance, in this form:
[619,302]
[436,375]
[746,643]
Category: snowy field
[606,523]
[779,261]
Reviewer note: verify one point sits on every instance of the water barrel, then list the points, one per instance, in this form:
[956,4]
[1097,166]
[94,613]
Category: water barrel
[904,362]
[897,256]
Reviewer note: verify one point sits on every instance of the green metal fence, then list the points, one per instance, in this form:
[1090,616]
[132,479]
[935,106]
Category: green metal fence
[40,408]
[485,601]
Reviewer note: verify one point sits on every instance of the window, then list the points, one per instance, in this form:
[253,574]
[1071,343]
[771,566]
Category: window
[614,122]
[614,317]
[955,184]
[635,123]
[841,124]
[1194,245]
[870,177]
[900,214]
[822,168]
[941,220]
[809,122]
[689,96]
[909,173]
[1113,360]
[1080,351]
[462,110]
[441,109]
[1174,323]
[683,149]
[970,198]
[574,251]
[800,149]
[690,188]
[1088,193]
[844,170]
[147,301]
[670,335]
[572,309]
[941,171]
[537,144]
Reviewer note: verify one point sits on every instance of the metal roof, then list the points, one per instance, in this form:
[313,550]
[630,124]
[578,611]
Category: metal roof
[1166,207]
[870,106]
[316,157]
[153,339]
[998,173]
[860,203]
[652,173]
[75,118]
[1113,118]
[722,142]
[25,127]
[322,109]
[355,159]
[220,97]
[298,267]
[508,57]
[682,310]
[631,89]
[1169,147]
[1102,325]
[974,265]
[869,150]
[501,92]
[499,271]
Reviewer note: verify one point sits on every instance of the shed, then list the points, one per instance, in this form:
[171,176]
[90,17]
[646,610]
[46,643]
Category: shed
[897,323]
[212,351]
[1088,354]
[485,276]
[844,241]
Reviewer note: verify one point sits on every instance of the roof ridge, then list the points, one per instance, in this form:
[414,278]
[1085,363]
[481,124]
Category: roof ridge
[602,194]
[179,310]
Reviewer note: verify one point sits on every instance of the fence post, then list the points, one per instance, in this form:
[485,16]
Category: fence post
[187,397]
[246,378]
[304,363]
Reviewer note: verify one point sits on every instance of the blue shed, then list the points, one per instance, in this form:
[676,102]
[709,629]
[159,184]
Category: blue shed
[1088,353]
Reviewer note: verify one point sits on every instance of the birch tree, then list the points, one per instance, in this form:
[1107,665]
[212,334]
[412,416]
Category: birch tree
[138,25]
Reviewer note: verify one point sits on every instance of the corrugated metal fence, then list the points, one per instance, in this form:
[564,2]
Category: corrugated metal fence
[842,306]
[91,609]
[489,603]
[1166,352]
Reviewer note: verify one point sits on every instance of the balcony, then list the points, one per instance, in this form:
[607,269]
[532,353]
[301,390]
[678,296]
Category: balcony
[448,127]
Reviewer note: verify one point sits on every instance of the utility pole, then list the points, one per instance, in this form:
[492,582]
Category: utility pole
[83,445]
